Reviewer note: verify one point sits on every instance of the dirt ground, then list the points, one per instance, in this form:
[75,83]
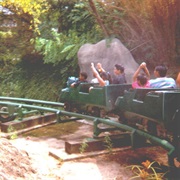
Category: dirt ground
[29,157]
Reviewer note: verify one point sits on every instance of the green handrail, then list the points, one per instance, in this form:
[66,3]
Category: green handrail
[163,143]
[31,101]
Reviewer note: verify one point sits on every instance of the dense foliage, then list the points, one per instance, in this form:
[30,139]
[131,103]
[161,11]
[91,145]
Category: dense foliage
[32,80]
[73,26]
[19,25]
[45,36]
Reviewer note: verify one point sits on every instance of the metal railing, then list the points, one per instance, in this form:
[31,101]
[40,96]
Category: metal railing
[16,106]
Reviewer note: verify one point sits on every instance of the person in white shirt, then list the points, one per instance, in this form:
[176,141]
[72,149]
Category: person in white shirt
[103,78]
[99,69]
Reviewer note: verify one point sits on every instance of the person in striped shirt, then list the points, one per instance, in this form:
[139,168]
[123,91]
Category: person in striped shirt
[161,80]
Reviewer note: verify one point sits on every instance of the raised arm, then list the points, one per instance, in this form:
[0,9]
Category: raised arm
[136,73]
[96,74]
[100,68]
[178,80]
[144,67]
[141,67]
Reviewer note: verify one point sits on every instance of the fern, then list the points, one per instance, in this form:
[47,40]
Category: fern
[68,48]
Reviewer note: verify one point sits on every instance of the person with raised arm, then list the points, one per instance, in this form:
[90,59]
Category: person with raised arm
[102,78]
[141,79]
[178,80]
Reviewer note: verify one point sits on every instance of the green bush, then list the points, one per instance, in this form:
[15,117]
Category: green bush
[33,80]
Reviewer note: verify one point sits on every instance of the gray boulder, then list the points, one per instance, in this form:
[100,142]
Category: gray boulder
[108,53]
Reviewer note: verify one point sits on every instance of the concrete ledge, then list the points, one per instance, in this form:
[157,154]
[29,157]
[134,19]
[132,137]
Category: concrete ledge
[75,146]
[62,156]
[29,122]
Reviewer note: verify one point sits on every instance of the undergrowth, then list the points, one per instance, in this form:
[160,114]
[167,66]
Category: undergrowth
[33,81]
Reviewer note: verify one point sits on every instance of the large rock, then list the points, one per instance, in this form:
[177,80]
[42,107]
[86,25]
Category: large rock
[108,53]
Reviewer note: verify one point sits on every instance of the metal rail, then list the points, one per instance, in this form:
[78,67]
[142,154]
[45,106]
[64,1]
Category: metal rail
[163,143]
[34,101]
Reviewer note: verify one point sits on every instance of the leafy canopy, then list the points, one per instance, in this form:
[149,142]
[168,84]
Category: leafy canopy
[67,26]
[31,10]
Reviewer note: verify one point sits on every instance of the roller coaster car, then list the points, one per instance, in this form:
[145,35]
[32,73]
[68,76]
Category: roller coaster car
[94,101]
[158,105]
[157,111]
[160,109]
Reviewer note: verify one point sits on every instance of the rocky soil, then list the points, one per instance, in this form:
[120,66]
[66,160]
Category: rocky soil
[28,157]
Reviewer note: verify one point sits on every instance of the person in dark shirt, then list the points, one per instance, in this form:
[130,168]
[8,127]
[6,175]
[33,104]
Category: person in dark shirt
[82,79]
[119,77]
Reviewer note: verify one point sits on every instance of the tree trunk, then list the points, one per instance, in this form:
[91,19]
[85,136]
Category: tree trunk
[98,18]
